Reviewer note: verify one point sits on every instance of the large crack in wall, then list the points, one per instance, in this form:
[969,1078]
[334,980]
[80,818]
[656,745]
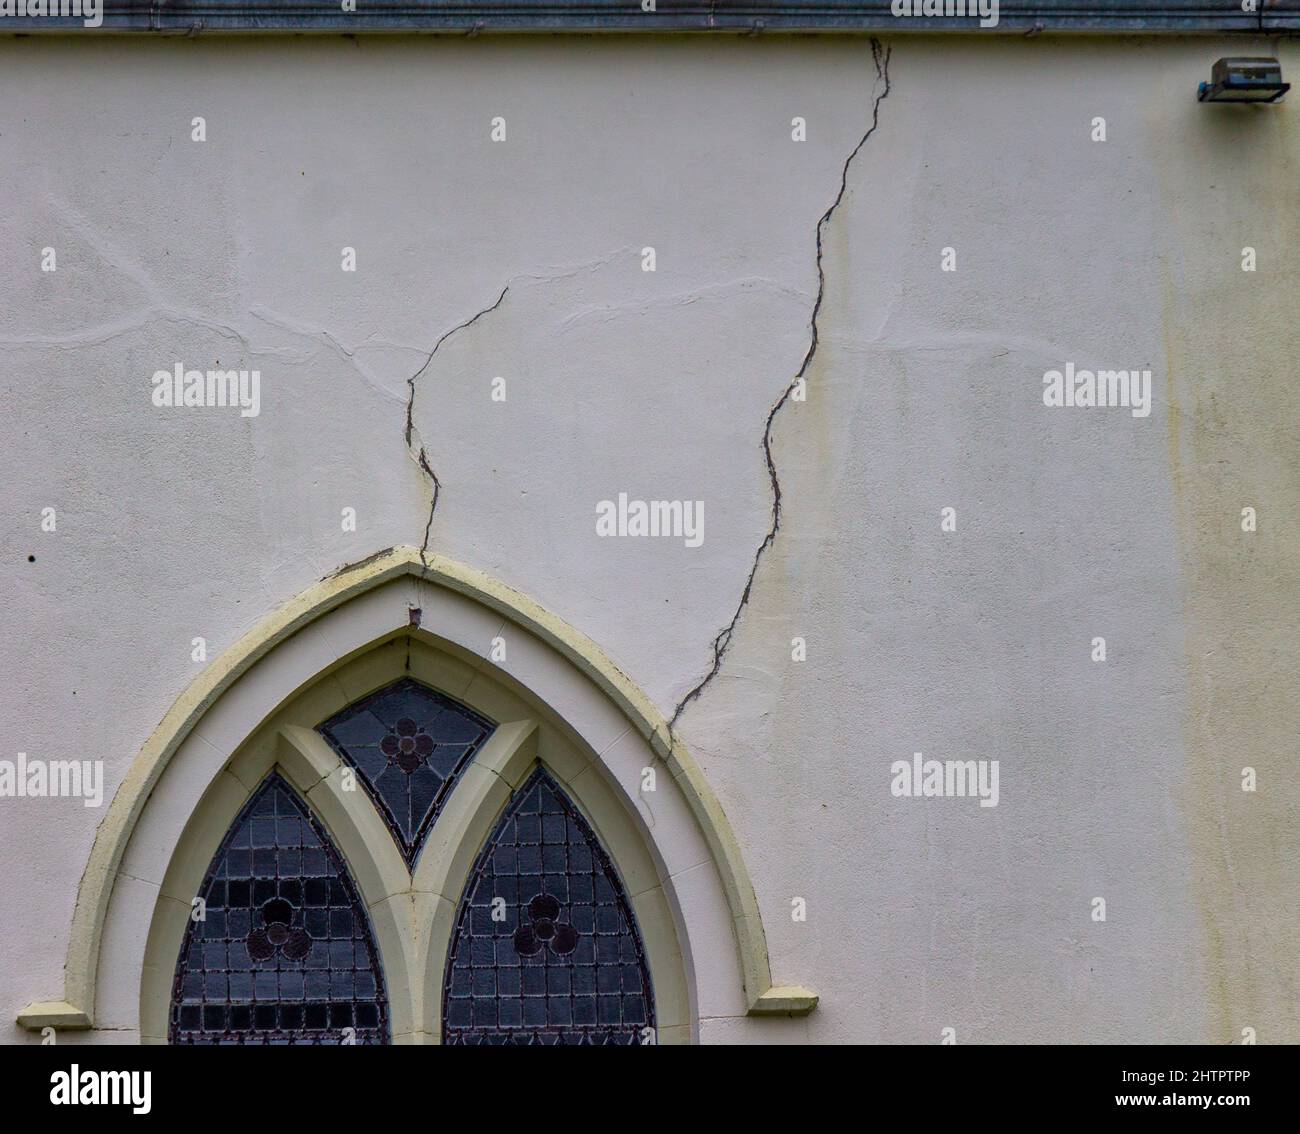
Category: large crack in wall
[880,90]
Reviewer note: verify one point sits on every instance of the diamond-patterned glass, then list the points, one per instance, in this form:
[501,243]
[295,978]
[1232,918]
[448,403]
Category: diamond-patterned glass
[408,745]
[546,948]
[284,952]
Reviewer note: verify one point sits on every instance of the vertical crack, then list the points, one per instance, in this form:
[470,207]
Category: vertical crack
[418,454]
[880,89]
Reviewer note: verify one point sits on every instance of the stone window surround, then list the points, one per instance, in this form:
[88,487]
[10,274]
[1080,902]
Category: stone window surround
[560,701]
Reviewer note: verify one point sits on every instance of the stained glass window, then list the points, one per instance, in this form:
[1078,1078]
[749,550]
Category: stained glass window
[546,948]
[284,953]
[408,745]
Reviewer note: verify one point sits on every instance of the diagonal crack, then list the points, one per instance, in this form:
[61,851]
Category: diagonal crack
[880,57]
[418,454]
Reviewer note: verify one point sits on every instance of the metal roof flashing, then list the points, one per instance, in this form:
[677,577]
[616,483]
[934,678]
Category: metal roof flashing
[462,17]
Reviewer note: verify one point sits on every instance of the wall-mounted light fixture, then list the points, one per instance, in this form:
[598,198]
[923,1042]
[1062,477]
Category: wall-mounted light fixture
[1244,80]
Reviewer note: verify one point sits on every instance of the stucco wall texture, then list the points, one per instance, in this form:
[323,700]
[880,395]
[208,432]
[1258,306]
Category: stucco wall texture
[1119,779]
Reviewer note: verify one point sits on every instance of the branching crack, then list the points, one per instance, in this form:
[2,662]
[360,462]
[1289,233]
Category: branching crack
[418,452]
[880,57]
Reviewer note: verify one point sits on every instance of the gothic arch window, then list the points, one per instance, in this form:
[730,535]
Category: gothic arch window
[546,949]
[284,953]
[408,745]
[327,910]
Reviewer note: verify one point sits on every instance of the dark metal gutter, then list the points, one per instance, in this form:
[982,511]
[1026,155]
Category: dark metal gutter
[748,16]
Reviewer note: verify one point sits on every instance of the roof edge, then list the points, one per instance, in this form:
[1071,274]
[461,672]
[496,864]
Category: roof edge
[465,17]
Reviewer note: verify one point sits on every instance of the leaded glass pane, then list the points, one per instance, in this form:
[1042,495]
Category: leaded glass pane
[408,745]
[562,962]
[284,953]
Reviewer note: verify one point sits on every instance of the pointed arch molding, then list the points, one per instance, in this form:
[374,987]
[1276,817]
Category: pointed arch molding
[77,1008]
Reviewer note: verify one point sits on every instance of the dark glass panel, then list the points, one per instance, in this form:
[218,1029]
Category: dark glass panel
[408,745]
[285,954]
[561,962]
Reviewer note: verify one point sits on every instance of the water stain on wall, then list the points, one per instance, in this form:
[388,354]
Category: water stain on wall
[1229,176]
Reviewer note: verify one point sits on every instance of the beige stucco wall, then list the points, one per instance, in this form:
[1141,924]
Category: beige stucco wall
[1118,779]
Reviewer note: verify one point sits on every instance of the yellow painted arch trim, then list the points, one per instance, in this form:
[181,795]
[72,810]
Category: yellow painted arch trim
[77,1009]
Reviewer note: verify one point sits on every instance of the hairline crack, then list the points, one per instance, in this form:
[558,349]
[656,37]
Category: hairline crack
[420,456]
